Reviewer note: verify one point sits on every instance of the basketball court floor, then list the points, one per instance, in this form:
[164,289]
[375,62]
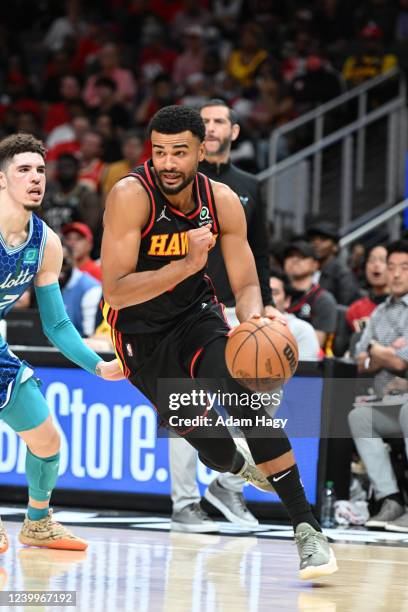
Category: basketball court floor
[135,564]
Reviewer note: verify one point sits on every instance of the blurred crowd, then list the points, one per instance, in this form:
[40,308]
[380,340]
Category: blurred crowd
[87,78]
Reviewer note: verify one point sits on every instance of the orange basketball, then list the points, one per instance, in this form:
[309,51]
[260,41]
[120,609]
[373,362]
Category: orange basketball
[262,354]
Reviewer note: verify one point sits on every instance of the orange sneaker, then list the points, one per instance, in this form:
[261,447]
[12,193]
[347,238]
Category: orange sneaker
[48,533]
[4,543]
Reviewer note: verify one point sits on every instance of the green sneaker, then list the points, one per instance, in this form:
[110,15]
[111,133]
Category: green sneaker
[251,474]
[316,556]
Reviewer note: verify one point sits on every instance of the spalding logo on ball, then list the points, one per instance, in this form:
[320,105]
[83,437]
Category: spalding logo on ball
[262,354]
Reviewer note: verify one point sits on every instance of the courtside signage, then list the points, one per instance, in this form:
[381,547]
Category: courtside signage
[110,440]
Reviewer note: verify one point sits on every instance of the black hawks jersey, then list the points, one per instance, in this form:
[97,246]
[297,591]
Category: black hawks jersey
[164,239]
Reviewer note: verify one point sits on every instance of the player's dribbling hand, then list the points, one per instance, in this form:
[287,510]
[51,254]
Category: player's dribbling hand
[110,370]
[200,240]
[271,313]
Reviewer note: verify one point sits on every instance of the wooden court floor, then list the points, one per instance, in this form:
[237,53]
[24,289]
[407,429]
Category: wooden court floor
[154,571]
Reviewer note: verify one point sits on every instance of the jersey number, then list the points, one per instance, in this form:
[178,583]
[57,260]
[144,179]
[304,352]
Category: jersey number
[6,300]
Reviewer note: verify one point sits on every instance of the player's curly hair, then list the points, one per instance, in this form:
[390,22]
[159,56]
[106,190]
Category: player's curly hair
[19,143]
[175,119]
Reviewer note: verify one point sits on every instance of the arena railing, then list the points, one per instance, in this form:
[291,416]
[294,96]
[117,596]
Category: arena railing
[362,172]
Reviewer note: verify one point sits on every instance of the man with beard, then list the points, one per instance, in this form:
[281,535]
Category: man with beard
[225,492]
[168,325]
[31,253]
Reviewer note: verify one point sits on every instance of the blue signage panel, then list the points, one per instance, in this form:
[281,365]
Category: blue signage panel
[110,443]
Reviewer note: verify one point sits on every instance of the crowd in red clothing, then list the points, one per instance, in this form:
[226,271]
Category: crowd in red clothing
[86,77]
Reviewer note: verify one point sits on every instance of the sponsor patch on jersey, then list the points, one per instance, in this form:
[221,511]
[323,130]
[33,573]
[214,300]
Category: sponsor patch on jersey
[30,256]
[129,349]
[205,215]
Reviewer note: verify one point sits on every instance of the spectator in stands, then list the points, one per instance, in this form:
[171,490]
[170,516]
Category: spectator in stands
[106,92]
[380,12]
[192,15]
[318,84]
[356,261]
[333,275]
[132,152]
[81,294]
[383,352]
[160,92]
[79,238]
[58,67]
[226,14]
[359,312]
[156,57]
[273,104]
[88,44]
[333,25]
[66,138]
[69,24]
[92,168]
[59,113]
[271,107]
[297,54]
[66,200]
[401,27]
[111,148]
[191,60]
[28,123]
[212,67]
[305,335]
[109,58]
[310,302]
[371,61]
[245,60]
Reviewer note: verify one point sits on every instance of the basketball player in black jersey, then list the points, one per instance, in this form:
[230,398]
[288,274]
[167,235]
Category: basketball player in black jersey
[166,322]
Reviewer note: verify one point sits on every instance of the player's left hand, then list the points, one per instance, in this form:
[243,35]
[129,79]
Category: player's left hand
[270,312]
[110,370]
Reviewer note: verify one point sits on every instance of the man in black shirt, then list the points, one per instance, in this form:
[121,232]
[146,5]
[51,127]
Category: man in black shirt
[225,492]
[310,301]
[335,276]
[222,129]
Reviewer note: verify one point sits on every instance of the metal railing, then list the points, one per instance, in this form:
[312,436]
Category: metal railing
[294,185]
[390,216]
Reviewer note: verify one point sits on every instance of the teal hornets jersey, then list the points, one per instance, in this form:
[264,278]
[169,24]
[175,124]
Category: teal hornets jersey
[18,267]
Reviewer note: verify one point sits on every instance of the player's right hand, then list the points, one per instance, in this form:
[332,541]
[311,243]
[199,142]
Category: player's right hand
[200,240]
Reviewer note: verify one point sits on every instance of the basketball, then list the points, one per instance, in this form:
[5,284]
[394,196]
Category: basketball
[262,354]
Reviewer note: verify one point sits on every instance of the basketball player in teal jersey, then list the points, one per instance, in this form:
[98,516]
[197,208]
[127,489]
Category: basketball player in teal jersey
[160,222]
[31,253]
